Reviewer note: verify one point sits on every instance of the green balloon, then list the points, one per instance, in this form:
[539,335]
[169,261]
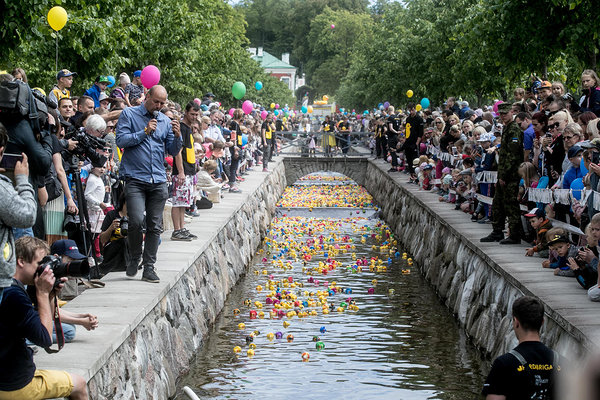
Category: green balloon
[238,90]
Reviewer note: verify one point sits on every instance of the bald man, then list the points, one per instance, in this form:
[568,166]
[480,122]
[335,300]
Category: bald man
[143,132]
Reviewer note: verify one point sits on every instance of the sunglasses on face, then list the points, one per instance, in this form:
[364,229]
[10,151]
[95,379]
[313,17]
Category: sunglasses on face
[554,125]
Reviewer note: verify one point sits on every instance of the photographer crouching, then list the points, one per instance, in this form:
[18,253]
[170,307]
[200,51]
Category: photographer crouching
[113,241]
[19,320]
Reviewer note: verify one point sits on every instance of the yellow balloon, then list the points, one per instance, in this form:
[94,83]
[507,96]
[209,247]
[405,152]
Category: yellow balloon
[272,105]
[418,107]
[409,93]
[57,18]
[310,109]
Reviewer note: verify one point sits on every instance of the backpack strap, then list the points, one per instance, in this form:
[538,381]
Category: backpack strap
[518,356]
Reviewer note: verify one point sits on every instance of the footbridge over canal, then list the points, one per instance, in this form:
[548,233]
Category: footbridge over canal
[354,167]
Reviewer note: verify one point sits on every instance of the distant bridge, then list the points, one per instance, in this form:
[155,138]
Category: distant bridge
[354,167]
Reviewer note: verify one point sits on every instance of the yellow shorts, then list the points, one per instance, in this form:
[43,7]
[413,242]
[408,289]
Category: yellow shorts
[46,384]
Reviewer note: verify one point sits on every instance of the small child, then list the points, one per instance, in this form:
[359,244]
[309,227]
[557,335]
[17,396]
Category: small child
[559,242]
[541,224]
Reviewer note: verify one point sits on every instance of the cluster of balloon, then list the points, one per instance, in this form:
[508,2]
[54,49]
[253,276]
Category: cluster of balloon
[238,90]
[150,76]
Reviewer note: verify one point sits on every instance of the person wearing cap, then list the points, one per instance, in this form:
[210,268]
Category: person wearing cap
[98,87]
[64,81]
[68,252]
[559,243]
[104,101]
[505,203]
[574,172]
[20,320]
[541,224]
[208,98]
[134,91]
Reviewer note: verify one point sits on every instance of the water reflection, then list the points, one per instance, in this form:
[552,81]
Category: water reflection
[401,346]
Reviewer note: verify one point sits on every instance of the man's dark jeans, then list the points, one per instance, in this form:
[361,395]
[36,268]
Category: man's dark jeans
[151,198]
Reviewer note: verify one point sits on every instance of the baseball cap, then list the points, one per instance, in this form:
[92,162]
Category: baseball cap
[573,151]
[64,73]
[545,85]
[66,247]
[536,212]
[504,108]
[137,73]
[209,94]
[102,78]
[559,239]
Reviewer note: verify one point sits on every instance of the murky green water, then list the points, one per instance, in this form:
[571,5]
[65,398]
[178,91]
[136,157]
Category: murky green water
[400,345]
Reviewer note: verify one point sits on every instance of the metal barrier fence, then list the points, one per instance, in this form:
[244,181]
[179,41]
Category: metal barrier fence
[323,144]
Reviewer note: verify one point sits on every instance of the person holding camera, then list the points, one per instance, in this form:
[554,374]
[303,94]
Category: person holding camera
[17,210]
[144,133]
[113,241]
[19,320]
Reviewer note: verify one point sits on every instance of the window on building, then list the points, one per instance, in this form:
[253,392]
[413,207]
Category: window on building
[286,80]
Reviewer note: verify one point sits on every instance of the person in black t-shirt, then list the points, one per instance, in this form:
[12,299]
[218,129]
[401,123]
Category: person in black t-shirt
[529,371]
[184,170]
[414,134]
[344,129]
[268,141]
[393,123]
[328,138]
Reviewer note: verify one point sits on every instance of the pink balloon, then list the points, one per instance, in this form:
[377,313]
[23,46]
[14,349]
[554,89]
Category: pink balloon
[264,114]
[276,105]
[150,76]
[332,26]
[496,104]
[247,107]
[231,110]
[198,101]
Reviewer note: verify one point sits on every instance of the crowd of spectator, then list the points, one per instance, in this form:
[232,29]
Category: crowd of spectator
[533,161]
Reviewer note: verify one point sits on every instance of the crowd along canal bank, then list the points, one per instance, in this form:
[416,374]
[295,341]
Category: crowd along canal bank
[149,333]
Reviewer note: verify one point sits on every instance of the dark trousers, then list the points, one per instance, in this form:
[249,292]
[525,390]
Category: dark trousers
[505,204]
[380,147]
[410,153]
[392,148]
[235,163]
[151,198]
[345,142]
[268,150]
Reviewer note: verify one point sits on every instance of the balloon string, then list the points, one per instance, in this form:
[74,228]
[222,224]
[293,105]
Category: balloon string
[56,60]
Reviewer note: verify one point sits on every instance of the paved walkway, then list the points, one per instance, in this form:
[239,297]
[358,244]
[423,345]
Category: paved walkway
[124,303]
[564,295]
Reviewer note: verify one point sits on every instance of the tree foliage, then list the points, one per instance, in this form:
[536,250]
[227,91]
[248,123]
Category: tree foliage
[199,45]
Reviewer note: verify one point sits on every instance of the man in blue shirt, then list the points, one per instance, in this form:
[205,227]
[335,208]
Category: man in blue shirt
[143,132]
[19,320]
[523,119]
[98,87]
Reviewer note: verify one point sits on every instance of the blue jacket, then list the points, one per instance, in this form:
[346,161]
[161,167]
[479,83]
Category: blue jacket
[571,174]
[94,93]
[144,153]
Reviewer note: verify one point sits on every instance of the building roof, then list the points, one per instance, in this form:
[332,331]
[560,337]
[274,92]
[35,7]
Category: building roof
[270,61]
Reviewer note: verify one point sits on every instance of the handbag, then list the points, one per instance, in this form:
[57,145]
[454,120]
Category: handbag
[53,186]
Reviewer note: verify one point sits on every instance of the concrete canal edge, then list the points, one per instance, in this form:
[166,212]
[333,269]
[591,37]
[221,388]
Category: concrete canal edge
[149,333]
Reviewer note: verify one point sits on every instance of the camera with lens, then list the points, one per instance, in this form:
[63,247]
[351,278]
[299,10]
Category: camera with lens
[86,146]
[124,226]
[75,268]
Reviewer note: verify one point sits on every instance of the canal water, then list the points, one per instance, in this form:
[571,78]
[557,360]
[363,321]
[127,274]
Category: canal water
[340,283]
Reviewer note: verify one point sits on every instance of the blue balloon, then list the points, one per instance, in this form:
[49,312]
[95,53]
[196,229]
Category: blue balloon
[244,139]
[304,110]
[425,102]
[258,85]
[576,187]
[276,112]
[204,107]
[379,105]
[366,112]
[111,79]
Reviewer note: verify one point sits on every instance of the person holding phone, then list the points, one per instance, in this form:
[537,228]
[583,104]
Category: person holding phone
[18,209]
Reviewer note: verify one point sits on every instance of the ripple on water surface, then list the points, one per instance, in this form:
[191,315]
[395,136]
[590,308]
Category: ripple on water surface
[404,345]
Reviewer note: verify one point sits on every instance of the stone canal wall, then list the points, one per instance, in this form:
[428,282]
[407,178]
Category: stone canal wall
[478,282]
